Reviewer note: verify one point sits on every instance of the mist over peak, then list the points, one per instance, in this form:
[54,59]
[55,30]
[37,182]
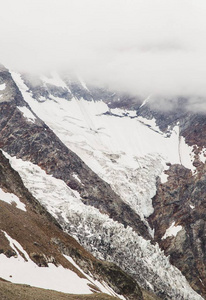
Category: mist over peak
[141,48]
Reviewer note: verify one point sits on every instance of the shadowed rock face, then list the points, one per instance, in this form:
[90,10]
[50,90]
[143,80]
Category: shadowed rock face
[183,199]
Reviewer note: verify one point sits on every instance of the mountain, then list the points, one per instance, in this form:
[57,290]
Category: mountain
[81,165]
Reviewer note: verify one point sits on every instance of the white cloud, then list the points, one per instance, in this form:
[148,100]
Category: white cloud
[141,46]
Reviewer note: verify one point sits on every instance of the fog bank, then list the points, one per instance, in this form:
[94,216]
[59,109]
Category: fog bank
[141,47]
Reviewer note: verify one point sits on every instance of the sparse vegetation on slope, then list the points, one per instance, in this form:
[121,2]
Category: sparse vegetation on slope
[10,291]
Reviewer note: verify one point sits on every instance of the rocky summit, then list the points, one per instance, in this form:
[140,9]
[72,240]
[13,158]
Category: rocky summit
[101,193]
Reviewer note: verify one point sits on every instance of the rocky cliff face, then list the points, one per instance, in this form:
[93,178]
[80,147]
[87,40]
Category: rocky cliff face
[106,206]
[181,202]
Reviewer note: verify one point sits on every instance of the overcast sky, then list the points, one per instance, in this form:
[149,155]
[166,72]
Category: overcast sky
[141,46]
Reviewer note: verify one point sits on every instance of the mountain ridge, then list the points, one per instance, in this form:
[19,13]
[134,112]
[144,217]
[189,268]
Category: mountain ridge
[129,183]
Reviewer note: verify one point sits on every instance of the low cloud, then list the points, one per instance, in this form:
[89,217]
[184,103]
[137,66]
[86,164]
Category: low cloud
[140,47]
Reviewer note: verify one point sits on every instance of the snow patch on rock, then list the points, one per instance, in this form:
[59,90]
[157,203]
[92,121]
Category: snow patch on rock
[172,231]
[145,101]
[163,176]
[186,155]
[104,288]
[2,86]
[202,155]
[11,198]
[27,113]
[76,177]
[23,270]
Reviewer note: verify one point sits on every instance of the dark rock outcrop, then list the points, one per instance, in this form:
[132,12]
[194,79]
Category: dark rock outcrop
[181,201]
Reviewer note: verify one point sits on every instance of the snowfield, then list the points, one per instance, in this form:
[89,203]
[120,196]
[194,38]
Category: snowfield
[23,270]
[17,270]
[12,199]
